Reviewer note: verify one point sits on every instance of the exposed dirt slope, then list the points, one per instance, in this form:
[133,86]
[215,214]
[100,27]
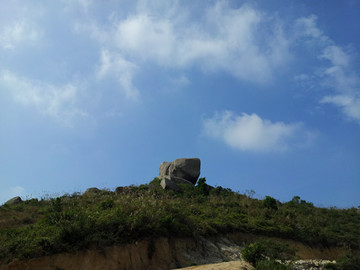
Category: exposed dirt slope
[235,265]
[162,253]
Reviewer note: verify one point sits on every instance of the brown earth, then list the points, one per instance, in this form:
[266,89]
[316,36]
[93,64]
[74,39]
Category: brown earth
[236,265]
[163,253]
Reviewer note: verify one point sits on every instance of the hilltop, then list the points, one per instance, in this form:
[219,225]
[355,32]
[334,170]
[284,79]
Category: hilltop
[102,218]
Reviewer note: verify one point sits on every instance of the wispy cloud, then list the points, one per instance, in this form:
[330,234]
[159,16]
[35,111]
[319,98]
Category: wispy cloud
[18,33]
[225,39]
[242,42]
[350,105]
[114,65]
[306,27]
[252,133]
[58,102]
[145,37]
[338,76]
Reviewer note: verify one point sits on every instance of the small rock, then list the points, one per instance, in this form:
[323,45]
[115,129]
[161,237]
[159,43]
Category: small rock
[91,191]
[14,200]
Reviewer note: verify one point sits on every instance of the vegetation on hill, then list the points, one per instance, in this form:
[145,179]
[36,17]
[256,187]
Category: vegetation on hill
[68,223]
[274,255]
[268,255]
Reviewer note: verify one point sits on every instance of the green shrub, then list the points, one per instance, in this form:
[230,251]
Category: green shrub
[270,203]
[106,204]
[348,261]
[202,186]
[267,250]
[155,182]
[253,253]
[278,250]
[56,205]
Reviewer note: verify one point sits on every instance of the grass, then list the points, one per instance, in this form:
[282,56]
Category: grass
[68,223]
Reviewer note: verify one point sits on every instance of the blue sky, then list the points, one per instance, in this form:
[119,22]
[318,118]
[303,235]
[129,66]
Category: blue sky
[99,93]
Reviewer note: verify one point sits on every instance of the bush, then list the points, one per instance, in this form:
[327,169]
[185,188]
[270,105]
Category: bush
[253,253]
[155,183]
[106,204]
[57,205]
[348,262]
[270,203]
[202,187]
[267,250]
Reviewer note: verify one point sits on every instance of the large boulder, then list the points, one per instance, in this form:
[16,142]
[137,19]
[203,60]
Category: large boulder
[173,183]
[184,168]
[179,171]
[14,200]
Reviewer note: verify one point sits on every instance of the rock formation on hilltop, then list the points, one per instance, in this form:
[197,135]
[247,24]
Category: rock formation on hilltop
[14,200]
[91,190]
[179,171]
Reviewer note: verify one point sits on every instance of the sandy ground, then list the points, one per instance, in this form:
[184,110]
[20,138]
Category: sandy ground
[236,265]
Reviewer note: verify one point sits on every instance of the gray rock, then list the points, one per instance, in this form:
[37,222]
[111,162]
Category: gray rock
[173,183]
[184,168]
[14,200]
[91,191]
[164,169]
[311,264]
[119,190]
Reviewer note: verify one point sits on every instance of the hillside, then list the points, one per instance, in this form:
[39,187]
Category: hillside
[75,222]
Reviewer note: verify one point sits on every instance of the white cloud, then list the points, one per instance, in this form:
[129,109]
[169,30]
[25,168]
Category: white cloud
[225,39]
[18,33]
[114,65]
[307,26]
[146,37]
[338,76]
[343,81]
[350,105]
[336,56]
[252,133]
[59,102]
[242,42]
